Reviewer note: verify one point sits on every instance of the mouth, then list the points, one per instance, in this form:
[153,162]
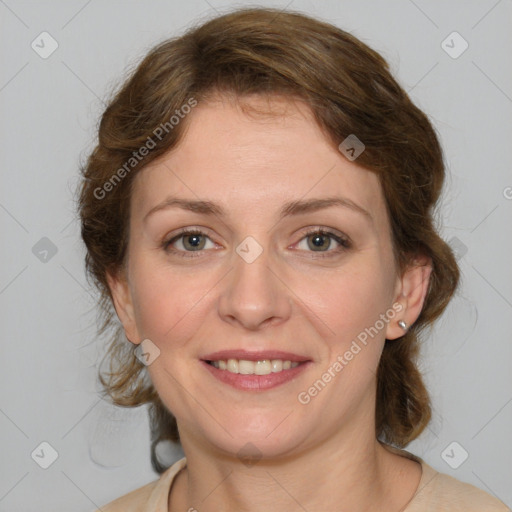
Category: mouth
[254,370]
[247,367]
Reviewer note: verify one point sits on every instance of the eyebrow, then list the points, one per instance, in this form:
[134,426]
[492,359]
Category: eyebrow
[291,208]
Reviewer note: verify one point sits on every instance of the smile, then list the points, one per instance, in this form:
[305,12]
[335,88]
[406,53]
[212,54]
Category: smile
[261,375]
[246,367]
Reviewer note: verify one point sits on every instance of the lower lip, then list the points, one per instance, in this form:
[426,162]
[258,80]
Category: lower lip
[256,382]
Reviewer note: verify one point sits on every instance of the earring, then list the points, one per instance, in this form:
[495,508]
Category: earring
[402,324]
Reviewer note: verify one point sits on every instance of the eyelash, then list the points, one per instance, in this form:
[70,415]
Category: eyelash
[344,243]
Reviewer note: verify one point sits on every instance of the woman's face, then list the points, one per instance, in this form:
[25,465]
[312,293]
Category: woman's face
[255,281]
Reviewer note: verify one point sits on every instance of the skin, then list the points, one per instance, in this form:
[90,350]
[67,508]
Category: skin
[322,455]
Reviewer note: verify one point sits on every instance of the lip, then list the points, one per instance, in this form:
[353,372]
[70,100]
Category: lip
[255,356]
[255,382]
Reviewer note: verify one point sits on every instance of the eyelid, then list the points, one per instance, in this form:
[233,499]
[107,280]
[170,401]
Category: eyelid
[344,242]
[340,238]
[326,231]
[189,230]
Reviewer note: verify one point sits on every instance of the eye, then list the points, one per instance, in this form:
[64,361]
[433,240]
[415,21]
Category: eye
[187,241]
[317,240]
[322,240]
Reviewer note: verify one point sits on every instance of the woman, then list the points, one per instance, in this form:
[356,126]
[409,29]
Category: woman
[258,212]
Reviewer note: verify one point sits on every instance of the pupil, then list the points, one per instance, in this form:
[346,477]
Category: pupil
[193,241]
[319,240]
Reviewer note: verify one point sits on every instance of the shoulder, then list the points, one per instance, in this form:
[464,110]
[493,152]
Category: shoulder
[134,501]
[150,497]
[442,493]
[439,492]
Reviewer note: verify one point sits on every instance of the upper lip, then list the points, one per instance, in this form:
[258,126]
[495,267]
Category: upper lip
[254,355]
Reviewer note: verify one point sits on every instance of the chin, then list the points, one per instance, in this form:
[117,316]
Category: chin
[254,437]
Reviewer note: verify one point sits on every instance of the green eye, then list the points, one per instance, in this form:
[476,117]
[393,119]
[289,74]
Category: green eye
[320,241]
[190,241]
[317,241]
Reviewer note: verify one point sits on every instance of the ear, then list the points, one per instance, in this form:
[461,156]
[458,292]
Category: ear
[123,304]
[412,289]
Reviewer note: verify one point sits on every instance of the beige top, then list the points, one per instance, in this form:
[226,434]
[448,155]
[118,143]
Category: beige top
[436,492]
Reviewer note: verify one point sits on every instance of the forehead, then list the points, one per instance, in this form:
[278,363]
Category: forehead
[253,154]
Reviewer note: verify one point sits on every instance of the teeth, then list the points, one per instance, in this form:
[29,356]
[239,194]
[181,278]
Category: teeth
[277,365]
[232,366]
[245,367]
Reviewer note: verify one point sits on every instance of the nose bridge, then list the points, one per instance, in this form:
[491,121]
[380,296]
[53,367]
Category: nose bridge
[253,295]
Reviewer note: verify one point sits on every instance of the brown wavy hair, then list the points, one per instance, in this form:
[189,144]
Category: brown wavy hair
[350,90]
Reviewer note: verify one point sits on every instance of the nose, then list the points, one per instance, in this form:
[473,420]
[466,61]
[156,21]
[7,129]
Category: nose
[254,294]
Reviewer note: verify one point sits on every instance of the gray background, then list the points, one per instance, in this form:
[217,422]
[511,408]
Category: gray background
[50,107]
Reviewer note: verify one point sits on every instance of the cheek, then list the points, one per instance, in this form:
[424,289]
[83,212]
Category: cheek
[349,300]
[170,303]
[160,299]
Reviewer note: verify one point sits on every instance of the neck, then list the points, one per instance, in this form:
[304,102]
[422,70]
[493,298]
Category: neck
[349,472]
